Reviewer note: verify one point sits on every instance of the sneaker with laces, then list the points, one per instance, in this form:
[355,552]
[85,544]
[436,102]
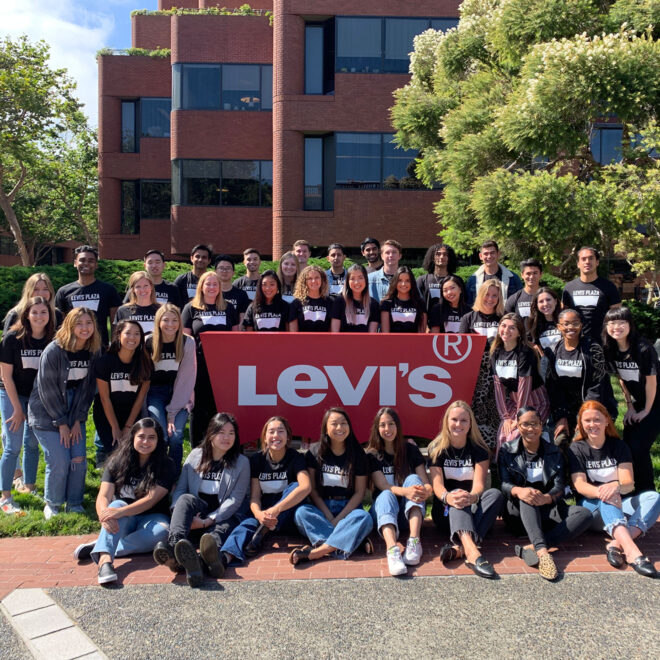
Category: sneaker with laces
[413,552]
[107,573]
[395,562]
[50,511]
[7,506]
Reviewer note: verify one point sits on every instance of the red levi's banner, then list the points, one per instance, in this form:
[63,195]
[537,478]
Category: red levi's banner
[300,375]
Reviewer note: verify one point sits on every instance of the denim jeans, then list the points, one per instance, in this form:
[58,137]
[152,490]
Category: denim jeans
[136,534]
[641,511]
[12,442]
[157,398]
[345,537]
[243,533]
[388,509]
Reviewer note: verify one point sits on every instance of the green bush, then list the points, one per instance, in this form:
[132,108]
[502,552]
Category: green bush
[647,319]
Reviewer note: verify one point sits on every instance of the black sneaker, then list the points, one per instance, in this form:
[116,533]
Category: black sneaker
[107,573]
[164,556]
[208,549]
[253,546]
[186,555]
[84,551]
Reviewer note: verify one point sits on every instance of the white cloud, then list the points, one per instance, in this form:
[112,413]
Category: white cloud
[74,32]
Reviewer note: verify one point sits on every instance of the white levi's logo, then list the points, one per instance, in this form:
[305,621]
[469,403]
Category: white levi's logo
[603,474]
[147,326]
[161,298]
[166,365]
[127,491]
[550,338]
[523,309]
[569,368]
[30,361]
[77,373]
[507,368]
[122,385]
[464,473]
[332,480]
[287,297]
[209,486]
[250,293]
[210,318]
[534,472]
[585,298]
[403,316]
[452,326]
[335,289]
[360,319]
[434,292]
[191,291]
[314,314]
[274,486]
[489,331]
[629,374]
[92,304]
[268,322]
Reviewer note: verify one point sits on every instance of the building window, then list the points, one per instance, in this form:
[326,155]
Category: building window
[380,45]
[226,183]
[200,87]
[241,87]
[314,59]
[155,117]
[128,125]
[8,246]
[130,223]
[313,174]
[155,199]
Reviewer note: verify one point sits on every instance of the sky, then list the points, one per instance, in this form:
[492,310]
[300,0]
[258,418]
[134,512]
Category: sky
[75,30]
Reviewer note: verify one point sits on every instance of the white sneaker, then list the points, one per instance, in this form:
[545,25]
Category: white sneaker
[7,506]
[50,511]
[394,561]
[413,551]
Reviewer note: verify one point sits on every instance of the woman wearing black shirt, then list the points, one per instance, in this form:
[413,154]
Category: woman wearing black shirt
[132,500]
[543,320]
[458,461]
[267,312]
[446,314]
[311,308]
[141,305]
[335,521]
[287,272]
[635,362]
[355,310]
[280,482]
[402,310]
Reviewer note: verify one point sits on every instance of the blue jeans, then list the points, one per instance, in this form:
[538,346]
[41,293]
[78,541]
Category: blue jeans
[12,442]
[388,509]
[345,537]
[136,534]
[641,511]
[157,398]
[243,533]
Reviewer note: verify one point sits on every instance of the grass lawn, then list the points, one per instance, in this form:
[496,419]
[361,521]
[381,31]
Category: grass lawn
[32,523]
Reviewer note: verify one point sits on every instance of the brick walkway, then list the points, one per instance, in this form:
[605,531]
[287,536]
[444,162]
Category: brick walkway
[48,562]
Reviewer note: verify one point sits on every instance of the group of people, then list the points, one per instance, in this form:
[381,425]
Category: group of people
[544,358]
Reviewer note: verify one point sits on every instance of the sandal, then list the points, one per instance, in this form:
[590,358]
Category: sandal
[528,555]
[615,557]
[482,567]
[300,554]
[449,552]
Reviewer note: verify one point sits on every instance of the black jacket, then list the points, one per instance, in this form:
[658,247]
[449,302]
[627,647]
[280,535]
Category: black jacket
[511,464]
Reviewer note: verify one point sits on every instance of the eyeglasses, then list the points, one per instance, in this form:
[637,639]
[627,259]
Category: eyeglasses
[571,324]
[224,269]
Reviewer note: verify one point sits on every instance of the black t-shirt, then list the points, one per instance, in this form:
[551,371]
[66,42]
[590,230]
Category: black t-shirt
[143,315]
[446,317]
[362,318]
[430,289]
[331,476]
[209,487]
[166,479]
[591,300]
[335,282]
[113,371]
[509,366]
[275,477]
[534,469]
[246,284]
[238,298]
[570,370]
[312,314]
[404,316]
[269,318]
[24,360]
[548,334]
[458,465]
[98,296]
[78,367]
[633,369]
[166,367]
[12,317]
[385,463]
[208,319]
[186,283]
[600,465]
[483,324]
[520,303]
[165,293]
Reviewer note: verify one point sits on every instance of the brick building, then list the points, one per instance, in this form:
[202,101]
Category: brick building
[256,135]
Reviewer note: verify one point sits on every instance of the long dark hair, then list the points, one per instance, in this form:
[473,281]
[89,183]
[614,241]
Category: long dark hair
[415,298]
[520,327]
[610,347]
[217,422]
[376,444]
[351,444]
[463,307]
[259,298]
[429,258]
[347,292]
[536,318]
[141,363]
[125,460]
[22,327]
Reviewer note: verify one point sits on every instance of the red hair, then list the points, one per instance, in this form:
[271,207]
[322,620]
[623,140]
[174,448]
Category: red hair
[610,430]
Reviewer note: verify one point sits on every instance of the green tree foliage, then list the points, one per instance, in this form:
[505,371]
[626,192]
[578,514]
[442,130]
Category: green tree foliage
[503,109]
[47,154]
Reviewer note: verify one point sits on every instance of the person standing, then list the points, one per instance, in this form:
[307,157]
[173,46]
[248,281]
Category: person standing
[370,248]
[590,294]
[249,281]
[521,301]
[336,274]
[200,258]
[88,292]
[355,310]
[402,309]
[303,251]
[490,269]
[439,262]
[311,308]
[154,264]
[288,271]
[224,269]
[379,281]
[141,305]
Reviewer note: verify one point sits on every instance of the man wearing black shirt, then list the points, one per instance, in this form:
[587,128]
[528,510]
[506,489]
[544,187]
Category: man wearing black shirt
[224,267]
[200,257]
[520,302]
[154,264]
[252,261]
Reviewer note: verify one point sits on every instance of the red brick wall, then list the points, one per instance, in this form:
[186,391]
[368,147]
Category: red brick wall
[130,76]
[150,31]
[255,4]
[184,4]
[437,8]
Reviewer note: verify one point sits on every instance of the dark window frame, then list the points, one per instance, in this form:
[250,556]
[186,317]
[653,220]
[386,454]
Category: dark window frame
[136,202]
[141,195]
[137,122]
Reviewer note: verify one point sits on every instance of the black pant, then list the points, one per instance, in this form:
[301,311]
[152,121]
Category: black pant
[185,509]
[204,408]
[548,525]
[476,519]
[640,438]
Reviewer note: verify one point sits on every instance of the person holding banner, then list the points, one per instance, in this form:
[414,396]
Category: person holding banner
[288,271]
[267,312]
[280,482]
[311,308]
[446,314]
[355,310]
[400,489]
[335,522]
[142,305]
[484,319]
[462,506]
[402,309]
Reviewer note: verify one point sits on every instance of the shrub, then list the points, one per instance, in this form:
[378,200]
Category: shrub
[647,319]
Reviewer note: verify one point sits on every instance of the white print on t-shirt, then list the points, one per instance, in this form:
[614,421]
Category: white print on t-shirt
[212,318]
[192,290]
[506,368]
[161,298]
[335,289]
[78,370]
[458,469]
[486,331]
[333,477]
[127,491]
[120,382]
[627,370]
[569,368]
[602,471]
[403,315]
[434,291]
[534,471]
[452,326]
[168,364]
[314,313]
[388,471]
[30,358]
[287,297]
[586,297]
[360,319]
[89,300]
[550,338]
[210,484]
[147,326]
[250,293]
[273,482]
[523,308]
[268,321]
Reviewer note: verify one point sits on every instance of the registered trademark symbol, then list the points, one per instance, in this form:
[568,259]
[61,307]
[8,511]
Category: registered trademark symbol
[455,343]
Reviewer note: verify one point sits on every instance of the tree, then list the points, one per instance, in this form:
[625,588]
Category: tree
[505,108]
[44,149]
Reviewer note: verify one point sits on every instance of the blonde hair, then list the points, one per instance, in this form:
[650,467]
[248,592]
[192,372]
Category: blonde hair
[441,441]
[301,291]
[280,274]
[67,340]
[28,292]
[481,294]
[157,337]
[198,301]
[133,280]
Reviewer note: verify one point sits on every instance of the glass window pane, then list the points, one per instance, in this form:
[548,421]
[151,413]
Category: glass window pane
[399,35]
[201,86]
[313,173]
[155,117]
[358,160]
[129,220]
[443,24]
[240,87]
[398,165]
[314,59]
[359,45]
[610,145]
[200,183]
[266,183]
[155,200]
[128,138]
[240,183]
[176,182]
[176,86]
[266,87]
